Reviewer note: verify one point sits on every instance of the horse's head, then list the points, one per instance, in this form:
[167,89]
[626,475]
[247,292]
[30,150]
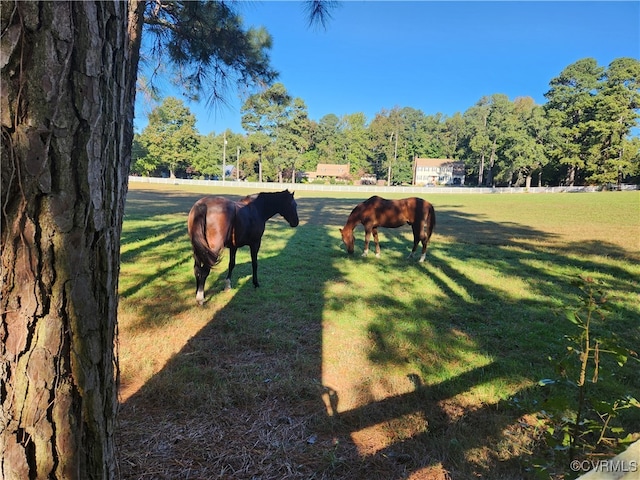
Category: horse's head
[348,239]
[289,209]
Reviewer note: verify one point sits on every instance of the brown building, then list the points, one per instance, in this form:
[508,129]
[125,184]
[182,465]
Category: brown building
[329,170]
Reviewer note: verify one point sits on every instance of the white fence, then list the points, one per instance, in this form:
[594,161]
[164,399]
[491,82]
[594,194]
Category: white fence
[367,188]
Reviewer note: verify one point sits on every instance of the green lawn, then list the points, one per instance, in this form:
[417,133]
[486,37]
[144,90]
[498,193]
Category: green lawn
[340,366]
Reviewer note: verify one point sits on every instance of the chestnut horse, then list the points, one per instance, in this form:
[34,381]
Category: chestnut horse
[216,222]
[379,212]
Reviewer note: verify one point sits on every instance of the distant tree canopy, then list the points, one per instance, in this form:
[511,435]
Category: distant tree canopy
[170,139]
[582,135]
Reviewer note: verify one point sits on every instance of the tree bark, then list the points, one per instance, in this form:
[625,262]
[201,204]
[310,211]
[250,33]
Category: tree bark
[68,79]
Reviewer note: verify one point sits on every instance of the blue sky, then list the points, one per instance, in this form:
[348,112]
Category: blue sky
[437,57]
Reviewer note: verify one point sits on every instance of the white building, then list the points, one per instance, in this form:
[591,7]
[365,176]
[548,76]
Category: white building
[437,171]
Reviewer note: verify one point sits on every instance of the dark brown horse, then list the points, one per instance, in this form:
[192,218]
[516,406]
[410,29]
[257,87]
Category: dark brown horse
[379,212]
[216,222]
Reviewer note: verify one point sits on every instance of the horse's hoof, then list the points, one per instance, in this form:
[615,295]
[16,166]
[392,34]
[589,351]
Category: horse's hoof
[200,298]
[377,255]
[227,285]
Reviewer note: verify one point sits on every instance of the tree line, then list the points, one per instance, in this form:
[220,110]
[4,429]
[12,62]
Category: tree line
[69,74]
[582,135]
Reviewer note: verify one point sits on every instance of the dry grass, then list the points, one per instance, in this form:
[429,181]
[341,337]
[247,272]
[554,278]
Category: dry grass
[305,378]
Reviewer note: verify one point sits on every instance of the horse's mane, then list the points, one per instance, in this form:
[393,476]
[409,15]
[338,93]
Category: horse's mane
[248,199]
[354,216]
[266,195]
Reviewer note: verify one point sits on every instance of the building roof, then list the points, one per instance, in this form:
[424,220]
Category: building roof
[434,162]
[332,170]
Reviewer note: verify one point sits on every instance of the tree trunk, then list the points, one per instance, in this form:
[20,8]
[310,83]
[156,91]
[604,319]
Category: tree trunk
[571,176]
[68,81]
[492,161]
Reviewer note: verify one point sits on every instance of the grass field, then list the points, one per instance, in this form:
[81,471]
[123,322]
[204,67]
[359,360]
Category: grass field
[343,367]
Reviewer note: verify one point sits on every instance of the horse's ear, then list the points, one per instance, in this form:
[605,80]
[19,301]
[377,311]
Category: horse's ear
[340,230]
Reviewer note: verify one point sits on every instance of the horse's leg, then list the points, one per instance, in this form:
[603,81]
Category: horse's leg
[424,249]
[232,264]
[426,231]
[201,272]
[367,237]
[254,263]
[375,239]
[424,238]
[416,239]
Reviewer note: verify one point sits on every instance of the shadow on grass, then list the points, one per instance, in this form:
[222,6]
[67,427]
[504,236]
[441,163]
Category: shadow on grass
[243,398]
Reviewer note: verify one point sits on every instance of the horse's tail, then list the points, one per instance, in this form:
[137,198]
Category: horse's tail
[198,232]
[430,222]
